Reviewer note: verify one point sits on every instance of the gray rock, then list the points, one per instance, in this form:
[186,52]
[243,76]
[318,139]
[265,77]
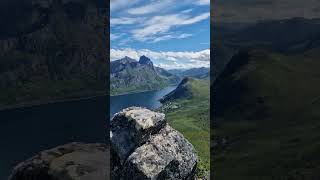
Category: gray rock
[132,127]
[74,161]
[156,152]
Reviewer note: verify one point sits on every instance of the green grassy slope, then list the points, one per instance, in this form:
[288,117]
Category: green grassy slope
[267,118]
[191,118]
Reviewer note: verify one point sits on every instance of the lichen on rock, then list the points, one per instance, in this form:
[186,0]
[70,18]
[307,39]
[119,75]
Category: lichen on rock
[153,151]
[132,127]
[143,118]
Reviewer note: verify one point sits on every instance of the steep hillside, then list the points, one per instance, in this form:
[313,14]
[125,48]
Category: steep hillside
[185,90]
[128,75]
[187,110]
[266,116]
[51,50]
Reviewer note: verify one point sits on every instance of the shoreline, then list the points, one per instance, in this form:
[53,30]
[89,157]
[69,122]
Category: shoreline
[122,94]
[39,103]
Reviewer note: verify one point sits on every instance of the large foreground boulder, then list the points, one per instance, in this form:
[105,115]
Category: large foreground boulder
[144,146]
[74,161]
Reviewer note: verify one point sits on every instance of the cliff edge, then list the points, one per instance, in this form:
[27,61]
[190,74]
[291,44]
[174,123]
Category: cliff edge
[144,146]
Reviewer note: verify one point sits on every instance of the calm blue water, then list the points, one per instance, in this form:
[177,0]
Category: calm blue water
[148,99]
[26,131]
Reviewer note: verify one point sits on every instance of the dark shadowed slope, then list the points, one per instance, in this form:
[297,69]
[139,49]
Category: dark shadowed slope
[266,112]
[51,50]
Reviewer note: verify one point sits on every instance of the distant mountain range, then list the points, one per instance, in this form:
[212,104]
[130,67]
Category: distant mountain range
[129,75]
[288,36]
[200,73]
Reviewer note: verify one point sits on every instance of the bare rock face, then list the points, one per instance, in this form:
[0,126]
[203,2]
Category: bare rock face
[74,161]
[144,146]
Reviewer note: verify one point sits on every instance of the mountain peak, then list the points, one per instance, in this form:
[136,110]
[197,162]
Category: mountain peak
[127,59]
[182,91]
[145,60]
[138,75]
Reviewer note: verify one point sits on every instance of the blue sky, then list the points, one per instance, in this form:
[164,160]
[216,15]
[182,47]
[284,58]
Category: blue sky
[173,33]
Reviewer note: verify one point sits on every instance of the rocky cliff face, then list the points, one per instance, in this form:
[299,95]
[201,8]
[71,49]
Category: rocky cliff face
[74,161]
[182,91]
[144,146]
[128,75]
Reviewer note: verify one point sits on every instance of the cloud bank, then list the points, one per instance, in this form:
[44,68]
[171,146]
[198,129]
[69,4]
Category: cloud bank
[163,24]
[168,59]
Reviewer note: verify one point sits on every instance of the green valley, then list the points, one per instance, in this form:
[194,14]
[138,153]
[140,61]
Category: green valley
[190,116]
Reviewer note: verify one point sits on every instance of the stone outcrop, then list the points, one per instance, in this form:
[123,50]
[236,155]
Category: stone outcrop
[74,161]
[144,146]
[183,90]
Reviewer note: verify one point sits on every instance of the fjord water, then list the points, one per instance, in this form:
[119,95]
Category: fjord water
[26,131]
[149,99]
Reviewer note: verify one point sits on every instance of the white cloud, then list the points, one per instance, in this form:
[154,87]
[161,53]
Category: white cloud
[186,11]
[125,42]
[162,24]
[124,21]
[115,36]
[150,8]
[202,2]
[196,19]
[168,59]
[163,5]
[118,4]
[170,36]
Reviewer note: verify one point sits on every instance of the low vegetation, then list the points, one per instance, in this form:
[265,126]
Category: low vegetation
[191,117]
[267,118]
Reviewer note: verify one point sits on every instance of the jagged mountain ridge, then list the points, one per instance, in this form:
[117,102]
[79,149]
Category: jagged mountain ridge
[200,73]
[129,75]
[288,36]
